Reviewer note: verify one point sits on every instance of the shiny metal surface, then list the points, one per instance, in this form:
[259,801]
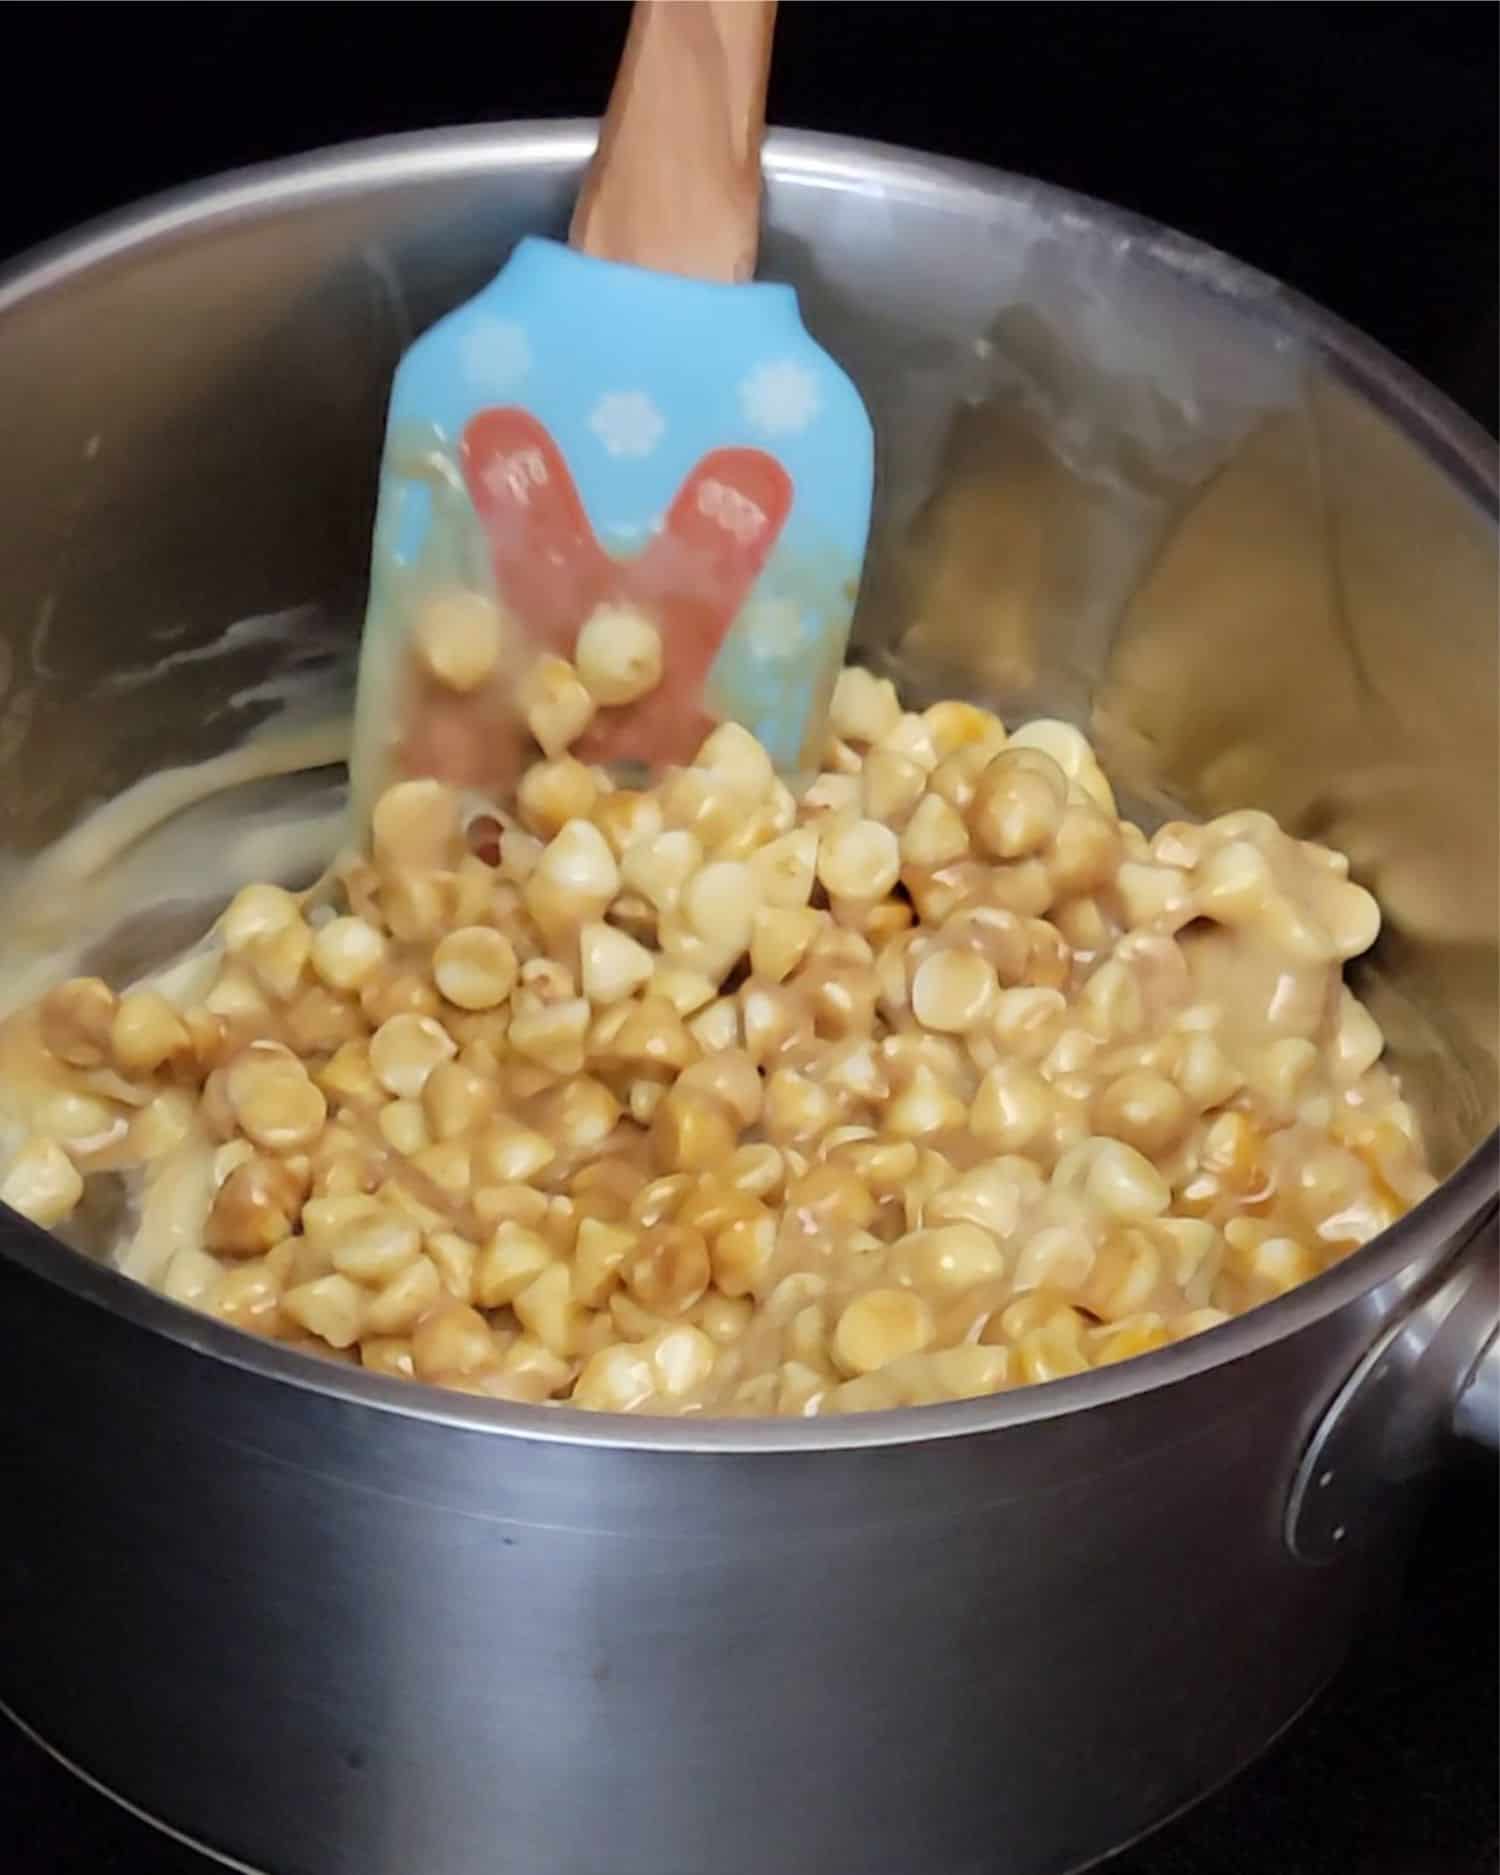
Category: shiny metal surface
[1387,1422]
[1476,1410]
[324,1645]
[323,1623]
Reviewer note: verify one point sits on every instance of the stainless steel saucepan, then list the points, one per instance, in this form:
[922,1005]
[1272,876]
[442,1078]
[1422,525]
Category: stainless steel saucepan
[327,1624]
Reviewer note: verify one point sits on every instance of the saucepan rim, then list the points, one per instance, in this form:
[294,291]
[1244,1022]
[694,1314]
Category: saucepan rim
[1457,446]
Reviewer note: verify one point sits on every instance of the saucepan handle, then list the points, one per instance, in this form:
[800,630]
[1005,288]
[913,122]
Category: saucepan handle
[1476,1406]
[1432,1373]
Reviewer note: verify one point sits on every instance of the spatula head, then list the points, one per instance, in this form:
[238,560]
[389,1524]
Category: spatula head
[584,434]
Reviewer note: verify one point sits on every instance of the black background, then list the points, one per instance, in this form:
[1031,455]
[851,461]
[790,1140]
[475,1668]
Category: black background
[1348,149]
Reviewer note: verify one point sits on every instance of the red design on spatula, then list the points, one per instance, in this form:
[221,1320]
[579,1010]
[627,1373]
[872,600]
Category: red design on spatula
[551,572]
[549,567]
[692,580]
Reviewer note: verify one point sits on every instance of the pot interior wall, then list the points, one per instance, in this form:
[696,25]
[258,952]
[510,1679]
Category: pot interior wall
[1117,482]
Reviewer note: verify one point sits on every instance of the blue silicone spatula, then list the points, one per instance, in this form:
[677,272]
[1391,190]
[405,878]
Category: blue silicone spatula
[625,434]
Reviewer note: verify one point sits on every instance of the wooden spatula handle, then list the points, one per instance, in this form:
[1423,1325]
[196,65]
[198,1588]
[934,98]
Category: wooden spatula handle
[675,183]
